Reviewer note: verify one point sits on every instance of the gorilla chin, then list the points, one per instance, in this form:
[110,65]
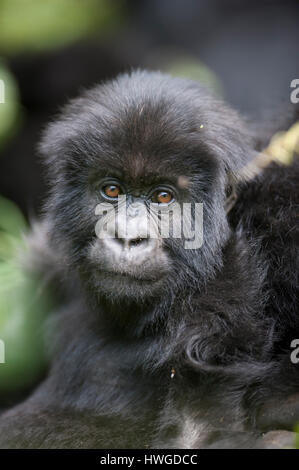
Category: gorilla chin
[118,285]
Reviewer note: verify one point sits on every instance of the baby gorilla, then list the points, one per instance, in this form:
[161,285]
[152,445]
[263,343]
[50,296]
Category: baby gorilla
[168,336]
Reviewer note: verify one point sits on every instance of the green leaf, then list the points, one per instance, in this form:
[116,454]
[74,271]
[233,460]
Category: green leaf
[9,103]
[12,220]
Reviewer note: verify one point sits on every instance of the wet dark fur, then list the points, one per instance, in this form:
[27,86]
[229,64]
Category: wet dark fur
[222,324]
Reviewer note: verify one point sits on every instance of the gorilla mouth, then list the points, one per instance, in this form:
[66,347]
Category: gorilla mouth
[131,276]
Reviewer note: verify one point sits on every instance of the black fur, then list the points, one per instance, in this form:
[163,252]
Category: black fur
[193,363]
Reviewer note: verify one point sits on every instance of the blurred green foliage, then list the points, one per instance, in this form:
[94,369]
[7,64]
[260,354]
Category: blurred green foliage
[10,108]
[23,306]
[43,24]
[297,437]
[179,63]
[12,224]
[188,67]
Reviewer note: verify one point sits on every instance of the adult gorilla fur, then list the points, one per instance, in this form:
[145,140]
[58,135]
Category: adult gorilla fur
[203,358]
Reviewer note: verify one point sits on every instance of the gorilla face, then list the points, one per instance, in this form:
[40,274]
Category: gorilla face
[131,162]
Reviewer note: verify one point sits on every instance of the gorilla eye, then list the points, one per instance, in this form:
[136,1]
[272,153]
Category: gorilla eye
[162,197]
[112,191]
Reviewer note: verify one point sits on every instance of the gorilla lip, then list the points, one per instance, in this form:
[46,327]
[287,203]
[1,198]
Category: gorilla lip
[127,275]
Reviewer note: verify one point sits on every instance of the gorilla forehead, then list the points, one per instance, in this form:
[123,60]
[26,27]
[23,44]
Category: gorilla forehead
[148,133]
[145,123]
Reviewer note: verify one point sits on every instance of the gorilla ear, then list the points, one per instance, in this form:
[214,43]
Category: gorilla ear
[245,173]
[230,139]
[232,142]
[254,167]
[240,162]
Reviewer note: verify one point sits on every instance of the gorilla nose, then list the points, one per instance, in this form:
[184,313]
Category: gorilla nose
[136,242]
[131,236]
[138,246]
[132,242]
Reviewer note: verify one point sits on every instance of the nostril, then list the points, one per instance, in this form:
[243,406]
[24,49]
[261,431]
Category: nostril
[136,242]
[121,241]
[124,243]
